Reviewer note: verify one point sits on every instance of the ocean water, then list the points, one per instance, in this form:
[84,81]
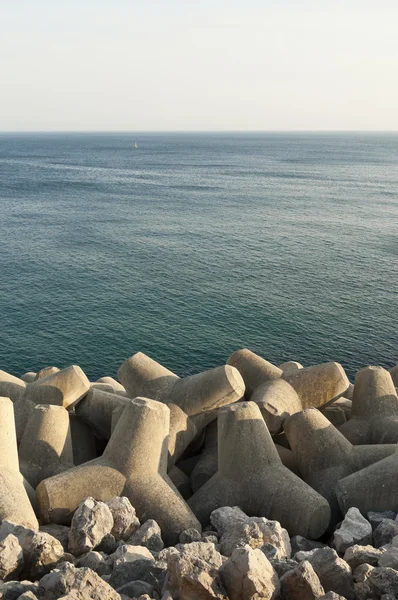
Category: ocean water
[194,245]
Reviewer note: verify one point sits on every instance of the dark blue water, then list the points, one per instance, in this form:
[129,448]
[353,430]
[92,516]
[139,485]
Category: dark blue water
[194,245]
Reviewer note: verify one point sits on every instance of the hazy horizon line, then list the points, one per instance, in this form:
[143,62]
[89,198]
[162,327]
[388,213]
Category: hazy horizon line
[182,131]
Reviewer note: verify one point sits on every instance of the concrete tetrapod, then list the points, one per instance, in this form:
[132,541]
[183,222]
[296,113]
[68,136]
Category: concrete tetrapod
[319,384]
[254,369]
[134,465]
[46,445]
[372,489]
[251,475]
[325,456]
[62,388]
[142,376]
[96,410]
[374,412]
[15,505]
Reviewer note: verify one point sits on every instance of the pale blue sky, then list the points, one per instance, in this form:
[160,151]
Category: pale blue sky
[210,65]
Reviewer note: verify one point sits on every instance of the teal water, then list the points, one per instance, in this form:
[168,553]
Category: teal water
[194,245]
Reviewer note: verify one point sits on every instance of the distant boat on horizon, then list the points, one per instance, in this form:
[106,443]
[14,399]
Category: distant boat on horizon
[135,145]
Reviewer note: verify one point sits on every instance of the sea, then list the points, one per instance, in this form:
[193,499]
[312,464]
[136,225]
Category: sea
[192,245]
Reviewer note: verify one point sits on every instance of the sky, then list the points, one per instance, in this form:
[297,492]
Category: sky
[224,65]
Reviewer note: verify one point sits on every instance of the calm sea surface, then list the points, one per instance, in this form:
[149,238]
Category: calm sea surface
[194,245]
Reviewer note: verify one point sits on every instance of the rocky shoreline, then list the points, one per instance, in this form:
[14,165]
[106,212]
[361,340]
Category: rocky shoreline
[247,481]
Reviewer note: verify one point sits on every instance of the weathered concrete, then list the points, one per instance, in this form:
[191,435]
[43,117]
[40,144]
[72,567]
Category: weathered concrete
[290,365]
[134,465]
[83,440]
[324,455]
[96,410]
[14,502]
[46,372]
[29,376]
[254,369]
[374,488]
[63,388]
[374,416]
[319,384]
[394,375]
[117,387]
[46,445]
[184,429]
[277,400]
[207,464]
[251,476]
[142,376]
[103,387]
[15,389]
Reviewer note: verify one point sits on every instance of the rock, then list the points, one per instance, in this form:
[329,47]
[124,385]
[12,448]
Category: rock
[332,596]
[60,532]
[27,596]
[136,563]
[376,581]
[192,535]
[108,544]
[300,543]
[389,557]
[270,551]
[125,521]
[193,573]
[83,581]
[41,552]
[302,555]
[248,574]
[355,529]
[375,518]
[149,535]
[359,555]
[334,573]
[13,589]
[237,530]
[135,589]
[282,566]
[11,557]
[164,554]
[96,561]
[301,583]
[91,522]
[385,532]
[128,553]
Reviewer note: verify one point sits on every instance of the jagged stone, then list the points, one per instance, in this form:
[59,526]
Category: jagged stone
[129,553]
[389,557]
[41,553]
[376,581]
[138,589]
[91,522]
[11,590]
[301,583]
[83,581]
[248,574]
[385,532]
[269,550]
[334,573]
[191,535]
[375,518]
[108,544]
[11,557]
[96,561]
[237,530]
[59,532]
[282,566]
[27,596]
[332,596]
[193,573]
[149,535]
[136,566]
[355,529]
[359,555]
[301,544]
[125,521]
